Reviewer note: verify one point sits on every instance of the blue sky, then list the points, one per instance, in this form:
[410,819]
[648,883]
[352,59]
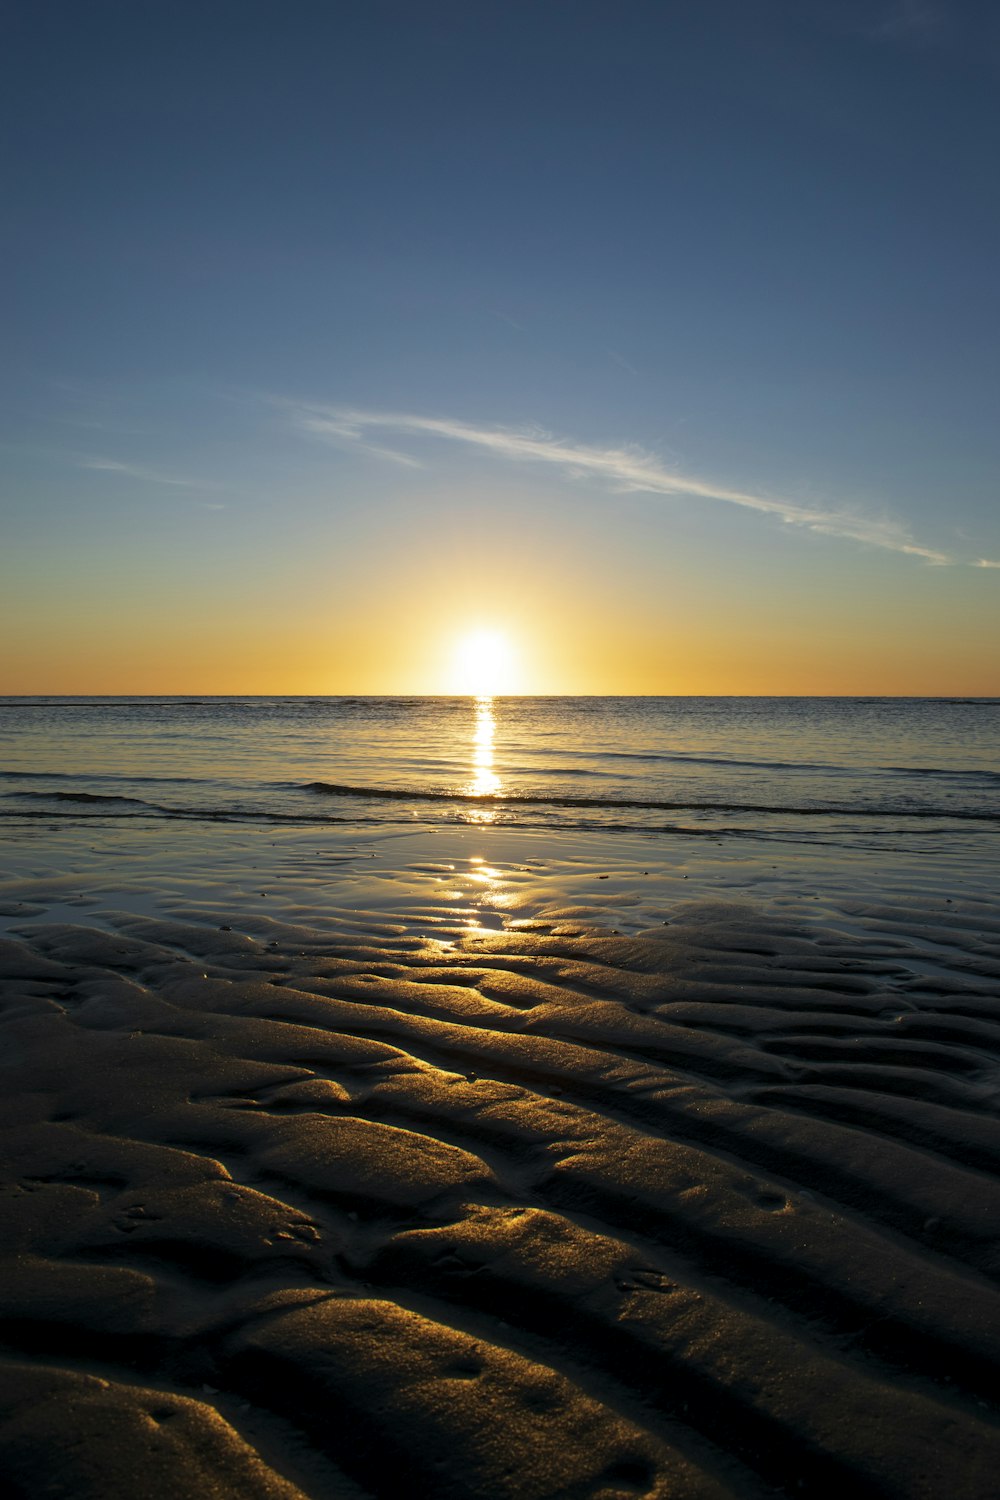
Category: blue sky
[660,294]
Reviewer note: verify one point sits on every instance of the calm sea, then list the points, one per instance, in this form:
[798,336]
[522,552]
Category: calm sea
[840,770]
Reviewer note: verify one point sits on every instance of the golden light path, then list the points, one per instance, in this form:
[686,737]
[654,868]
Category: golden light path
[485,781]
[488,893]
[479,891]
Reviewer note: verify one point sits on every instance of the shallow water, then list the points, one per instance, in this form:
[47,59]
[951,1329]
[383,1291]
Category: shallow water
[919,773]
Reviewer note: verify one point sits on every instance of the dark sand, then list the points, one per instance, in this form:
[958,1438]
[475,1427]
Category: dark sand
[334,1175]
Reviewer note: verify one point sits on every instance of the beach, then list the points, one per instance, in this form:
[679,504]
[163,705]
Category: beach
[500,751]
[470,1159]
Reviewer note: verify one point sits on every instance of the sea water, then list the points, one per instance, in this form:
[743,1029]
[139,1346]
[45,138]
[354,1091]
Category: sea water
[906,773]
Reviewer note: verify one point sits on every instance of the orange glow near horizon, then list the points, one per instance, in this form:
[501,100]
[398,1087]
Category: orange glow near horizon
[505,626]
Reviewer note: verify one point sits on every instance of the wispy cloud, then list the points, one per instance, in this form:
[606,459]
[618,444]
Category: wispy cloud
[342,428]
[624,469]
[150,476]
[511,322]
[620,359]
[986,562]
[91,424]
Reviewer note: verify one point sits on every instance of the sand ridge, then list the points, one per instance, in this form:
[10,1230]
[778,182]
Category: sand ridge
[544,1210]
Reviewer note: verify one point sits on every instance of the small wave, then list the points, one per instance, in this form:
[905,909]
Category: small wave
[714,832]
[488,799]
[679,758]
[559,771]
[189,814]
[42,776]
[828,768]
[104,776]
[76,797]
[941,771]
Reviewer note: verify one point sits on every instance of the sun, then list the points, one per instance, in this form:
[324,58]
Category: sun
[483,665]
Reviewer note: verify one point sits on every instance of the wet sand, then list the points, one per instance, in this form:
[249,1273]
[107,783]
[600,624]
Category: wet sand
[491,1164]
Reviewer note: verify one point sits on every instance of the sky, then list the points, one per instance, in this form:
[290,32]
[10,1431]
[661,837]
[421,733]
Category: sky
[654,343]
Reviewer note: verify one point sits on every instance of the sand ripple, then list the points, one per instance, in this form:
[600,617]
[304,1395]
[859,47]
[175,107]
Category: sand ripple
[710,1212]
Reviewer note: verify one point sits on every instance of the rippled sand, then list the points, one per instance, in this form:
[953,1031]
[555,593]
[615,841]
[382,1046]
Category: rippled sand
[487,1165]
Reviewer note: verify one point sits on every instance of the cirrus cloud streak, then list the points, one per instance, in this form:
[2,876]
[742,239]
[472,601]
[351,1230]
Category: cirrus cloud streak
[626,468]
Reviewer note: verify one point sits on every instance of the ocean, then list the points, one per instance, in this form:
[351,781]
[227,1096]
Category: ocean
[909,773]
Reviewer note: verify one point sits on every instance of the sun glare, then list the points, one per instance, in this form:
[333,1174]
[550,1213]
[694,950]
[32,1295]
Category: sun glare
[485,781]
[483,665]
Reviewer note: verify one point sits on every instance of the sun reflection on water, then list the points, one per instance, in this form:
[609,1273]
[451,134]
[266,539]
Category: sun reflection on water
[487,893]
[484,781]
